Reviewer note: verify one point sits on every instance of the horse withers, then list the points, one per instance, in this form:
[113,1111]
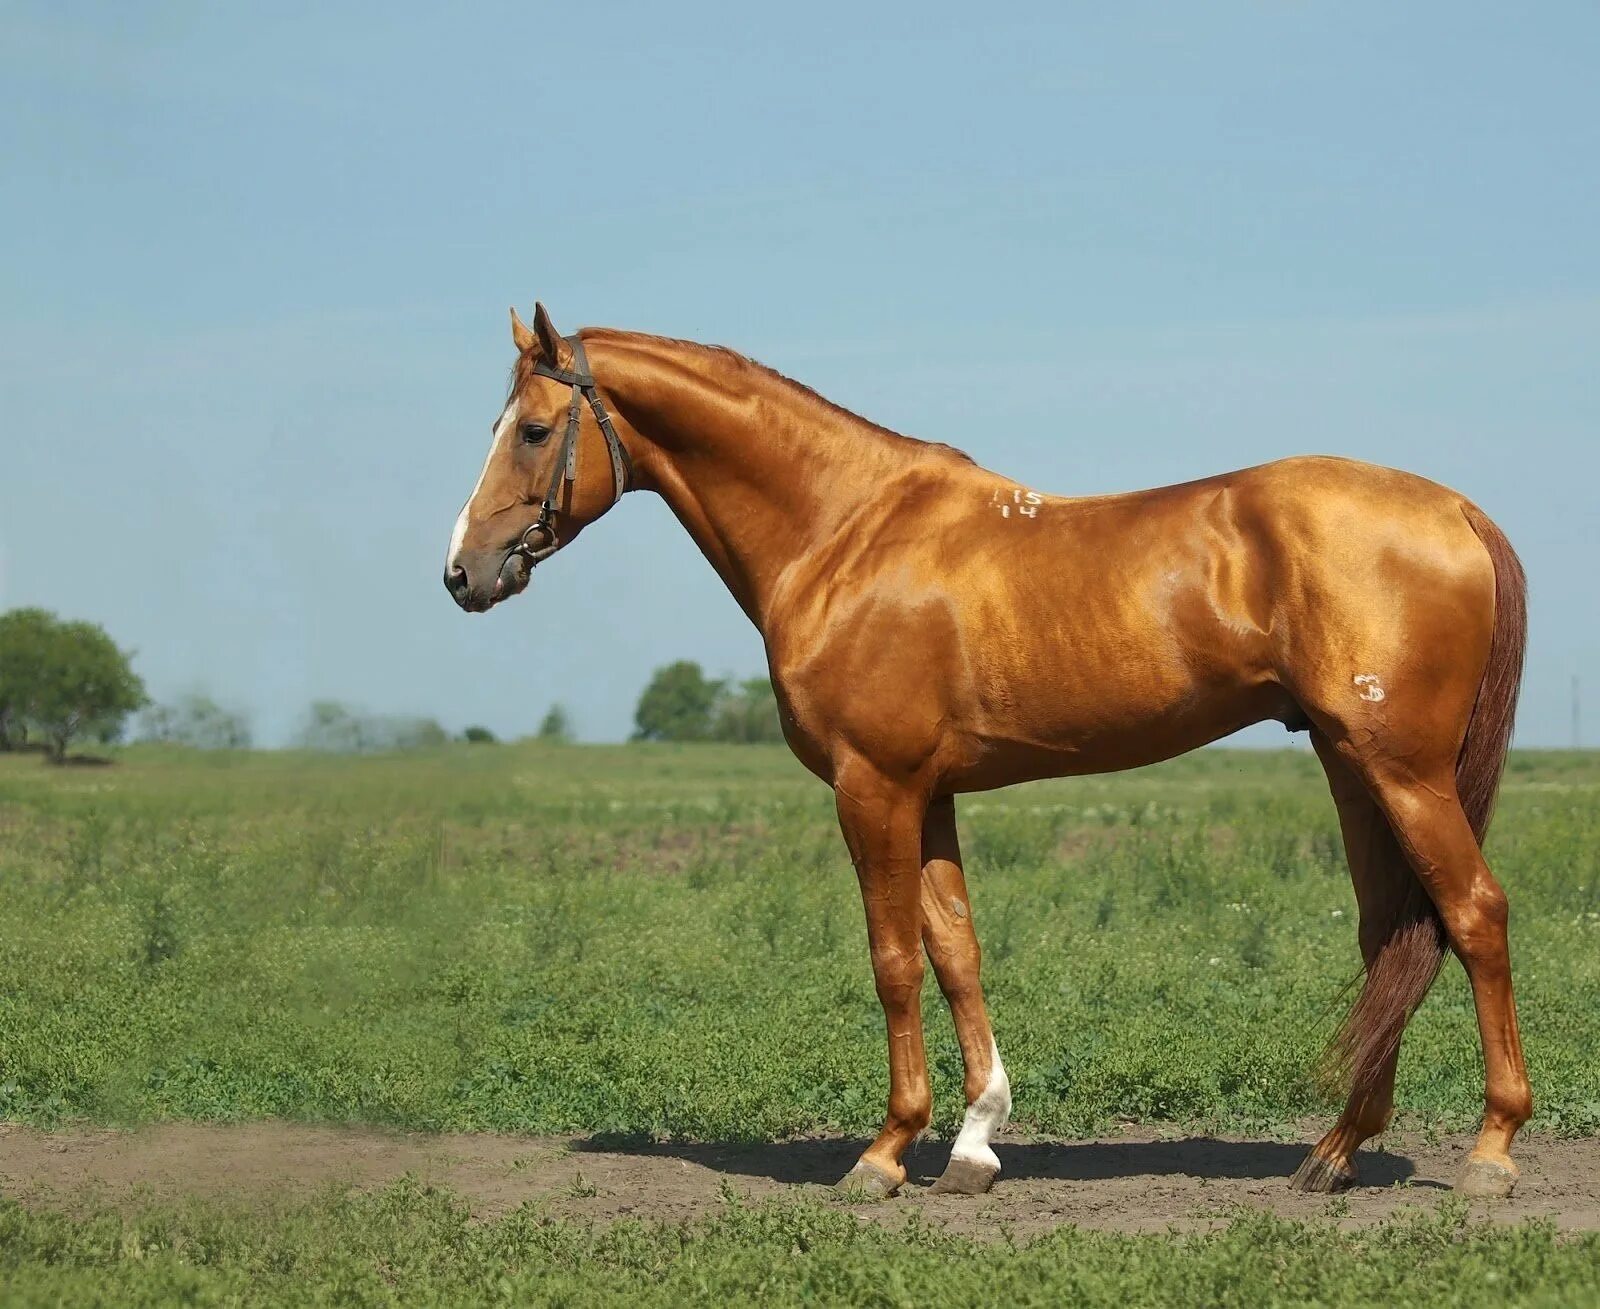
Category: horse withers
[933,628]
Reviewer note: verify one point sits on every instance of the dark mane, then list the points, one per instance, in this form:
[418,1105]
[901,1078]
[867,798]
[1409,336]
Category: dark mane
[800,390]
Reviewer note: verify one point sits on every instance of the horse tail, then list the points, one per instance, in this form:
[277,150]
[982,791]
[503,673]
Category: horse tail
[1483,752]
[1408,926]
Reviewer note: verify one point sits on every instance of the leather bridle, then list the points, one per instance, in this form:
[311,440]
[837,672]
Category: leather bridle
[581,380]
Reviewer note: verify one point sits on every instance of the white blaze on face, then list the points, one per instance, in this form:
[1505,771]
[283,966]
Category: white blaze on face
[985,1116]
[508,419]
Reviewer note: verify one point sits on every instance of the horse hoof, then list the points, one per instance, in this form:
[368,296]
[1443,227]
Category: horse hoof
[866,1181]
[1484,1179]
[965,1177]
[1321,1176]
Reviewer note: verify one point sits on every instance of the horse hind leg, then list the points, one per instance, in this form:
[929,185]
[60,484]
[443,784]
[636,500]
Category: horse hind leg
[1401,946]
[1411,776]
[1442,847]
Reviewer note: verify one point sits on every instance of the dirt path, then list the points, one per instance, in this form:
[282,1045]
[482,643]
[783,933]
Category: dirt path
[1134,1181]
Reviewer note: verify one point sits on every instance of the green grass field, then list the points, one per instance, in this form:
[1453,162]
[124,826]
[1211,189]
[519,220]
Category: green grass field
[414,1247]
[668,941]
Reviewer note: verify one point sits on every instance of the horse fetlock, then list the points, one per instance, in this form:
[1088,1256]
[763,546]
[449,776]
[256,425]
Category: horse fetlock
[1508,1105]
[908,1116]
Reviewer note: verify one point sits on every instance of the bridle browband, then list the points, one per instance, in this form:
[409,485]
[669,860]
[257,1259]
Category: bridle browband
[581,380]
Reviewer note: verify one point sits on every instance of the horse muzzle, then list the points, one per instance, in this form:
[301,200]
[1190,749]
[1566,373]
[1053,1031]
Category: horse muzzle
[479,590]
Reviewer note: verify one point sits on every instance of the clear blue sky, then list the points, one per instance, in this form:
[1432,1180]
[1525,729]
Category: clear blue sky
[256,261]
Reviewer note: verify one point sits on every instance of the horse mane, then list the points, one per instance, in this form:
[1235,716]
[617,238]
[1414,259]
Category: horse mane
[799,390]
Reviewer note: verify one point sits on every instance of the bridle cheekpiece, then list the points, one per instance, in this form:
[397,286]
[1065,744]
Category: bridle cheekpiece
[581,380]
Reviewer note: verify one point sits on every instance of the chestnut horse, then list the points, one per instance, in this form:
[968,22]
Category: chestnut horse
[934,628]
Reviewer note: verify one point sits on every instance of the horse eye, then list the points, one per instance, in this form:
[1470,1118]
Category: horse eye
[534,433]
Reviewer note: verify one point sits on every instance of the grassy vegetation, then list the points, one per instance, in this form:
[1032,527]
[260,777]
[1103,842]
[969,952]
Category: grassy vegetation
[417,1247]
[668,940]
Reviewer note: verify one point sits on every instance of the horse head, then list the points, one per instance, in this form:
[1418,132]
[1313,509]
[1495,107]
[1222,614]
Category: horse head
[537,490]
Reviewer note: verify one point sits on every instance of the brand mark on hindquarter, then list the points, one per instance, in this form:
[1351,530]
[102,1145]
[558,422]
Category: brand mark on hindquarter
[1371,689]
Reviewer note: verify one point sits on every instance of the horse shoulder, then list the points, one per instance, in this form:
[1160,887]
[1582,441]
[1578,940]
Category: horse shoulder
[862,640]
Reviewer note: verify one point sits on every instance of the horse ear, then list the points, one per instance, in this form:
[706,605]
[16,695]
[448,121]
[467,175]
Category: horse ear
[551,346]
[521,336]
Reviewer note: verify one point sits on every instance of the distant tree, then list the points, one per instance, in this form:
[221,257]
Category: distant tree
[677,704]
[339,729]
[196,720]
[158,723]
[25,636]
[557,726]
[67,680]
[410,733]
[478,736]
[747,713]
[333,727]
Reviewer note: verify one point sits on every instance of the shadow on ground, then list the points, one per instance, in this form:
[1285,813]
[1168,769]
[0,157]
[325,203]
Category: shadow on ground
[826,1161]
[1140,1180]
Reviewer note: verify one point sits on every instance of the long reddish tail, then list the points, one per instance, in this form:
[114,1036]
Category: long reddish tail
[1413,939]
[1483,753]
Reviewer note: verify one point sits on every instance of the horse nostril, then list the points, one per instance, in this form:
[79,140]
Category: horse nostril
[455,579]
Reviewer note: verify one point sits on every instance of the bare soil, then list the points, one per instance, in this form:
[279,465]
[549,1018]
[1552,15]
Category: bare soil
[1134,1181]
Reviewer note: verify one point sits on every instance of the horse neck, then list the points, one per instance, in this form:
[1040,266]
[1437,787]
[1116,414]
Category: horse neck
[757,469]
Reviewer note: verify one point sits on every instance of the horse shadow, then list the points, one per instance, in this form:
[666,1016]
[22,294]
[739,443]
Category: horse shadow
[827,1160]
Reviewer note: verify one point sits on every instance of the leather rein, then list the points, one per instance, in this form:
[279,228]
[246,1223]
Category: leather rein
[582,382]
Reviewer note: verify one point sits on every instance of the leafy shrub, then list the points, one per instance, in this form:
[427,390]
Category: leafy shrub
[65,680]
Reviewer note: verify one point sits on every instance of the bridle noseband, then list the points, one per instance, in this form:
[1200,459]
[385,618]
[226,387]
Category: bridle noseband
[581,380]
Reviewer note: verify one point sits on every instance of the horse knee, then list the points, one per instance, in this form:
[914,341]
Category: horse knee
[898,977]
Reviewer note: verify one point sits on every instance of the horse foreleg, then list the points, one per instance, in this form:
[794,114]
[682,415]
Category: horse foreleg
[952,945]
[882,824]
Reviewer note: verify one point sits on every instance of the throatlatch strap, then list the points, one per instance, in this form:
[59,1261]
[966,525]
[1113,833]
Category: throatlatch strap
[621,466]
